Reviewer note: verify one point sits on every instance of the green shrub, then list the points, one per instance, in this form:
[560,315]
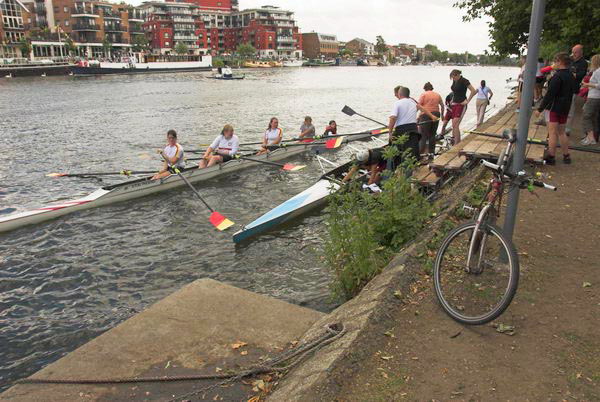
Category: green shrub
[365,230]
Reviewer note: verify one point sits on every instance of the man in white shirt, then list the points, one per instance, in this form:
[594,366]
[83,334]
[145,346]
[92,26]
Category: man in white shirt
[403,120]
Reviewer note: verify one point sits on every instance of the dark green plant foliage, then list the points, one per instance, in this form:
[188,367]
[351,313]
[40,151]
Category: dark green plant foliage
[365,230]
[567,22]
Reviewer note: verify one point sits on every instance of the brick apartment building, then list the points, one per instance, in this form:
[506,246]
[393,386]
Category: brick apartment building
[316,45]
[361,47]
[15,20]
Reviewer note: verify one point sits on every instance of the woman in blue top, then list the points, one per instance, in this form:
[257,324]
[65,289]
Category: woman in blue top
[484,96]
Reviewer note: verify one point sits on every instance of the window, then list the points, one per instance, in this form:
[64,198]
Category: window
[167,44]
[166,35]
[66,23]
[66,9]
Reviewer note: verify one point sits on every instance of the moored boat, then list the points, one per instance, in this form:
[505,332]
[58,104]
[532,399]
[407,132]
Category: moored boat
[129,66]
[257,64]
[293,63]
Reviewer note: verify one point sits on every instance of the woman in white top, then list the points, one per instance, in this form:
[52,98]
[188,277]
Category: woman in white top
[173,156]
[591,108]
[272,136]
[484,96]
[222,149]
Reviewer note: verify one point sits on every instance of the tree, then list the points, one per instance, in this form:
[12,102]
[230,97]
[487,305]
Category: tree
[380,46]
[106,46]
[70,46]
[26,48]
[346,52]
[567,22]
[140,43]
[246,50]
[181,48]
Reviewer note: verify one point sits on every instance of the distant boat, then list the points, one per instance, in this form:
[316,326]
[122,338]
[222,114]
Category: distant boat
[257,64]
[318,63]
[161,65]
[293,63]
[234,77]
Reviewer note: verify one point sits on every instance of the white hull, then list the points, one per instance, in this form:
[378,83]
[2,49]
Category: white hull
[293,63]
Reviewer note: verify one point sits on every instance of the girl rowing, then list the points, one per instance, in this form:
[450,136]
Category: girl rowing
[222,149]
[173,156]
[272,136]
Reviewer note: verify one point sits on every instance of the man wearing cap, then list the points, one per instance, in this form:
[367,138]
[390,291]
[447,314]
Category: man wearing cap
[370,159]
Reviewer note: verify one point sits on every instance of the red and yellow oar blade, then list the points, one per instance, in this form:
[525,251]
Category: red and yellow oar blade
[293,168]
[219,221]
[334,142]
[56,174]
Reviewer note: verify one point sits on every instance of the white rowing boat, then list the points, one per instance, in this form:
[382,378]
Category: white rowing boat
[142,187]
[311,198]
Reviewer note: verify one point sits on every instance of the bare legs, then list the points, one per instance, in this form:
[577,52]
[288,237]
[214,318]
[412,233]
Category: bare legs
[557,133]
[211,161]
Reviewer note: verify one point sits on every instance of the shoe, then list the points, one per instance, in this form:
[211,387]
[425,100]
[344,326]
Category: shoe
[585,141]
[540,122]
[550,160]
[567,159]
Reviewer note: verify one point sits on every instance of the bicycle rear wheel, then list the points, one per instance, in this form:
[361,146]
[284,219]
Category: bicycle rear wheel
[478,294]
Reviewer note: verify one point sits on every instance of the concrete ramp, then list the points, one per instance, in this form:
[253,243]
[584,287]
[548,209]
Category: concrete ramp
[189,332]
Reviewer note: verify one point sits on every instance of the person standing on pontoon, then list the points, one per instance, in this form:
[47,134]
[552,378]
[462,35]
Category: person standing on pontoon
[223,148]
[459,101]
[172,155]
[272,136]
[484,96]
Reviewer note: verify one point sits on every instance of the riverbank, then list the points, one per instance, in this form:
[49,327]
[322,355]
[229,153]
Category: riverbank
[416,352]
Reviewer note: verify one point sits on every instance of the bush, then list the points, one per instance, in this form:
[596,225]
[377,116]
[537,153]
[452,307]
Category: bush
[365,230]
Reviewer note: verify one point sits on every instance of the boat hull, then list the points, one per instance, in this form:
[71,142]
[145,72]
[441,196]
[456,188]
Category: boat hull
[137,189]
[143,68]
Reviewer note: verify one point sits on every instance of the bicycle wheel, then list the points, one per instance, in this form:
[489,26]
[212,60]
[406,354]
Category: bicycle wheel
[478,294]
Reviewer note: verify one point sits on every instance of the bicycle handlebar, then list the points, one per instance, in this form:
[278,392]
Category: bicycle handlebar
[521,175]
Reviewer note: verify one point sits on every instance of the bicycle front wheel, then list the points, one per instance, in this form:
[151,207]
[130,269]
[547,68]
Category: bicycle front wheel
[479,292]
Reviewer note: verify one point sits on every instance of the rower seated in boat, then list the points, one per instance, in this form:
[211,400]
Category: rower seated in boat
[222,149]
[172,155]
[331,129]
[370,159]
[272,136]
[307,130]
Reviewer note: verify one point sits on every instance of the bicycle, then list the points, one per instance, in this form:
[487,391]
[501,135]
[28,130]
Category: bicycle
[476,270]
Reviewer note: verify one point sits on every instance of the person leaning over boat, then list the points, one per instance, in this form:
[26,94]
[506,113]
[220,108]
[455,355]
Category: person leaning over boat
[331,129]
[307,130]
[370,159]
[403,120]
[222,149]
[226,72]
[173,156]
[272,136]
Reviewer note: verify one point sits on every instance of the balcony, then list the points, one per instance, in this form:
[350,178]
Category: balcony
[40,8]
[114,28]
[110,14]
[88,39]
[185,37]
[284,47]
[285,39]
[85,27]
[135,29]
[84,12]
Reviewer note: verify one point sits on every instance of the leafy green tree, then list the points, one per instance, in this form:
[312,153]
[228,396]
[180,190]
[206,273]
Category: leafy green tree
[246,50]
[346,52]
[140,43]
[25,46]
[70,46]
[567,22]
[181,48]
[106,46]
[380,46]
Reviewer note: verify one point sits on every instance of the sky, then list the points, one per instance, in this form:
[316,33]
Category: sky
[417,22]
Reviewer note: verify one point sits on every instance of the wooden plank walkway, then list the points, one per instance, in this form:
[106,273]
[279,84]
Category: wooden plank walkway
[473,146]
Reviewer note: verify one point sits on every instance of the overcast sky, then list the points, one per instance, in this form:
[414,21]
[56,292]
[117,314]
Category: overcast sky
[415,22]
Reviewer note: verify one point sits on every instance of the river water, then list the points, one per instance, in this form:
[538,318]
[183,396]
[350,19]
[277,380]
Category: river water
[65,282]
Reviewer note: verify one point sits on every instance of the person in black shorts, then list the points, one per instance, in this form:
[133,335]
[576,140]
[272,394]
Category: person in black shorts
[370,159]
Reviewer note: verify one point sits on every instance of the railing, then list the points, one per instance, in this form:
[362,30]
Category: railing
[111,14]
[113,28]
[282,47]
[286,39]
[40,8]
[85,27]
[135,29]
[83,10]
[184,37]
[88,40]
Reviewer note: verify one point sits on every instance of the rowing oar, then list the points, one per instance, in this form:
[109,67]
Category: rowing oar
[537,142]
[307,141]
[285,166]
[216,219]
[121,172]
[350,112]
[329,144]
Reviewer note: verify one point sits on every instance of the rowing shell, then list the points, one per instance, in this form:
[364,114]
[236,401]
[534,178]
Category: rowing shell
[311,198]
[142,187]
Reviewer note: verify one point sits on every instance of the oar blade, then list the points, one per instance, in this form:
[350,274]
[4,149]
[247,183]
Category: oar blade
[334,143]
[293,168]
[219,221]
[56,174]
[348,110]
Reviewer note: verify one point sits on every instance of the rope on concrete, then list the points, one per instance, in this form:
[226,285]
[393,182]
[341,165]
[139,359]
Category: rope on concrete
[277,364]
